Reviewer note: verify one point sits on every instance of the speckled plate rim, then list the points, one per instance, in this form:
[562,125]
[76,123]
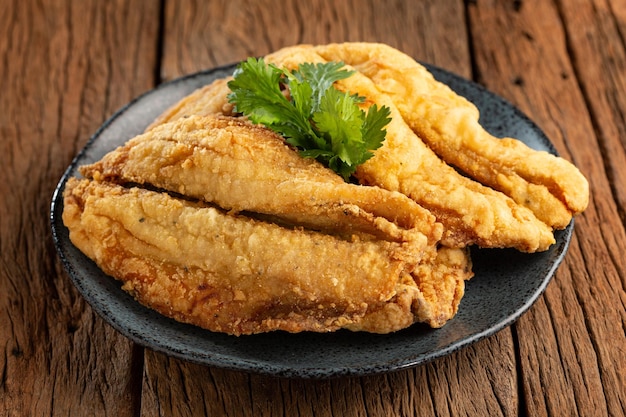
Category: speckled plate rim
[506,284]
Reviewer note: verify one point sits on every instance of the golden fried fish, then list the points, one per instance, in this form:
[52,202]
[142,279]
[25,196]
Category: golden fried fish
[242,167]
[208,100]
[217,222]
[234,274]
[430,295]
[470,212]
[550,186]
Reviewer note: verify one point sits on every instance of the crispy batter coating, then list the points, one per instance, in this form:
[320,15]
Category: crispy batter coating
[470,212]
[242,167]
[208,100]
[214,221]
[550,186]
[431,295]
[233,274]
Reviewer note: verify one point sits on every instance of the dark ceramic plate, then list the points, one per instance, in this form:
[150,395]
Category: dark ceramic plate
[506,283]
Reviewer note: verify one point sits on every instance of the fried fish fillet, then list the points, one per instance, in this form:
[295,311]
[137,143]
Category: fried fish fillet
[208,100]
[242,167]
[550,186]
[431,295]
[470,212]
[231,273]
[216,222]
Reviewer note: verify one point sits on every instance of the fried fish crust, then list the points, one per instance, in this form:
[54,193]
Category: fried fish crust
[207,100]
[236,233]
[244,167]
[431,295]
[470,212]
[550,186]
[230,273]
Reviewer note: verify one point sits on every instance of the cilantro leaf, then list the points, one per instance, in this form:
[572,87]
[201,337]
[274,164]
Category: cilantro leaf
[373,129]
[311,114]
[256,93]
[321,77]
[339,120]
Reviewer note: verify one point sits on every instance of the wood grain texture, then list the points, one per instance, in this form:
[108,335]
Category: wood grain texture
[467,383]
[433,31]
[572,342]
[65,66]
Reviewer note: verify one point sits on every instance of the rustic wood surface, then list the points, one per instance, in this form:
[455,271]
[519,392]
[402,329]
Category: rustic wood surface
[65,66]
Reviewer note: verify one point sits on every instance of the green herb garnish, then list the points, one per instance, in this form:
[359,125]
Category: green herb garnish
[321,121]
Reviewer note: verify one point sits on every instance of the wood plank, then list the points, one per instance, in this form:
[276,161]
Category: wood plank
[595,33]
[572,343]
[65,66]
[476,380]
[427,30]
[606,47]
[479,380]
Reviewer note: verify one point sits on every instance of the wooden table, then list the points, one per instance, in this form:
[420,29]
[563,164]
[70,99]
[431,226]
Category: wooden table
[66,66]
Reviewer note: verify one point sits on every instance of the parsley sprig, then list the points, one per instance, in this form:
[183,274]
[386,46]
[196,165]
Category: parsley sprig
[321,121]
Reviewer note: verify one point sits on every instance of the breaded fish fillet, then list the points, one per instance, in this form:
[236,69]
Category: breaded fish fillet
[431,295]
[550,186]
[230,273]
[208,100]
[470,212]
[243,167]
